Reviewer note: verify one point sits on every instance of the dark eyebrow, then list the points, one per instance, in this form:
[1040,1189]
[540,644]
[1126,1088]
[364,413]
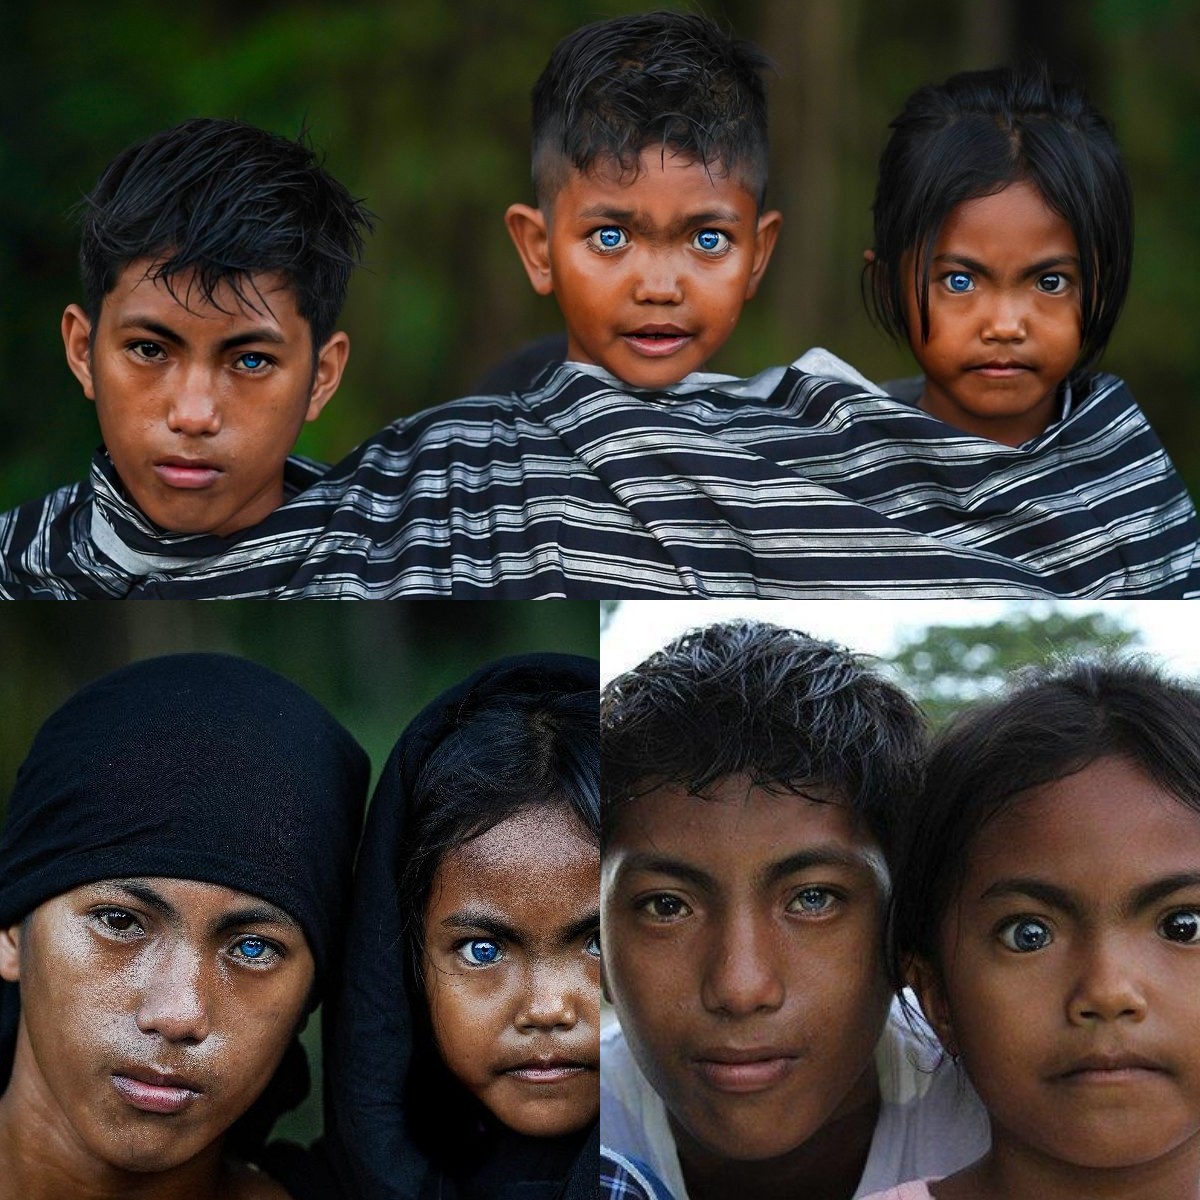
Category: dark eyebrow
[260,913]
[576,929]
[1037,268]
[260,333]
[1152,893]
[1035,889]
[628,216]
[658,865]
[815,856]
[480,919]
[256,914]
[155,327]
[147,895]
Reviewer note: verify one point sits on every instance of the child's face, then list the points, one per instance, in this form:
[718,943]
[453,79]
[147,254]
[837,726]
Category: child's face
[154,1012]
[743,954]
[200,408]
[512,970]
[650,271]
[1004,315]
[1071,971]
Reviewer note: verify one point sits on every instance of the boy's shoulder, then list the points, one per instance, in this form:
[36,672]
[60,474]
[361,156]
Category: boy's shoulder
[35,540]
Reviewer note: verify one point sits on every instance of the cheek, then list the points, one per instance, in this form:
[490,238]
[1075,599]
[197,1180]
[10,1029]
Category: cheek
[467,1018]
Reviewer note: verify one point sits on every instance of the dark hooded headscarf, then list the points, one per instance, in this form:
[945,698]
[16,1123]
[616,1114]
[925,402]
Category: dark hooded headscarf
[191,766]
[388,1087]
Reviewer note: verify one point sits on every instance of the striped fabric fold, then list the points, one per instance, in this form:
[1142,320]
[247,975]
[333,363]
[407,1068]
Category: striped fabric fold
[808,487]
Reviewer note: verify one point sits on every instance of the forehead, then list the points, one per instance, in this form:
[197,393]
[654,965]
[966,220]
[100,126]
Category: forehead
[663,187]
[1105,828]
[266,298]
[1013,221]
[736,830]
[537,849]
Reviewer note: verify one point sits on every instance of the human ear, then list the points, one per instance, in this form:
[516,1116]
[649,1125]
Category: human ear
[10,953]
[530,233]
[331,362]
[926,980]
[77,341]
[765,236]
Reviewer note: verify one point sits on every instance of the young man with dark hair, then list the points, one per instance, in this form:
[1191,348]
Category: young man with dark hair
[214,259]
[174,874]
[755,783]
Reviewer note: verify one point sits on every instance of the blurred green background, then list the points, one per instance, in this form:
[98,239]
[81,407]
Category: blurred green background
[422,108]
[373,665]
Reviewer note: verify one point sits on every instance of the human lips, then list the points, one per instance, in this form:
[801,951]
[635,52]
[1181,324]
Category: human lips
[544,1069]
[657,341]
[743,1070]
[1000,368]
[154,1091]
[1108,1069]
[188,473]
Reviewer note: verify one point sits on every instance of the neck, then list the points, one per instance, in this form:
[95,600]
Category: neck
[827,1166]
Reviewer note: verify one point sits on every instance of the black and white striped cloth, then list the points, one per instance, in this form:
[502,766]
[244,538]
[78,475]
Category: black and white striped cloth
[784,485]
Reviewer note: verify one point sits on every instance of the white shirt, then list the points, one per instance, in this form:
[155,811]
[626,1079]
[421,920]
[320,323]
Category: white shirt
[930,1120]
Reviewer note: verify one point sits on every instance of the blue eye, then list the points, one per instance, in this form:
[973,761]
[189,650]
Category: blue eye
[480,952]
[812,901]
[1052,284]
[253,361]
[593,945]
[1182,926]
[254,949]
[1025,934]
[608,237]
[711,241]
[960,281]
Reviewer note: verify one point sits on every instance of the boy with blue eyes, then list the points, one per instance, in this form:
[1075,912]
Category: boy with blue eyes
[214,259]
[650,171]
[174,871]
[754,787]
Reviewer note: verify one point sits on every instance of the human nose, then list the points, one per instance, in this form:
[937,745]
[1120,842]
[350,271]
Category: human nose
[1006,320]
[175,1002]
[549,998]
[194,410]
[742,975]
[1107,986]
[658,281]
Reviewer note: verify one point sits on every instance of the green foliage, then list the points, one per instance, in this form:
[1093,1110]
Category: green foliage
[946,666]
[422,108]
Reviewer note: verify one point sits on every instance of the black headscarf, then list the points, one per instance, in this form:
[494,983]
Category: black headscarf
[191,766]
[379,1045]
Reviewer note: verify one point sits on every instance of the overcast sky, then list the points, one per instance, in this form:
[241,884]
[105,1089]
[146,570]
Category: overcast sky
[1169,628]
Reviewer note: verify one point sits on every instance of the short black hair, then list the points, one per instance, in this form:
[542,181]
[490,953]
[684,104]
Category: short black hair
[229,201]
[503,756]
[974,135]
[787,710]
[670,79]
[1053,722]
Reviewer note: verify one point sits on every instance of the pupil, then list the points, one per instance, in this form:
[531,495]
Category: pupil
[1182,926]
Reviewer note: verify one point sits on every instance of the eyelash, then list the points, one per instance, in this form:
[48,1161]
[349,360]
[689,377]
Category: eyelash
[272,952]
[646,906]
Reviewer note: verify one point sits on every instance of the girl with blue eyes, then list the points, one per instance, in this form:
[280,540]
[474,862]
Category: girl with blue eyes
[465,1061]
[1048,915]
[1003,244]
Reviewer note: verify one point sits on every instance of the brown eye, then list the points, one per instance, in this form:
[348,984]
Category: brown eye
[117,920]
[665,907]
[1182,926]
